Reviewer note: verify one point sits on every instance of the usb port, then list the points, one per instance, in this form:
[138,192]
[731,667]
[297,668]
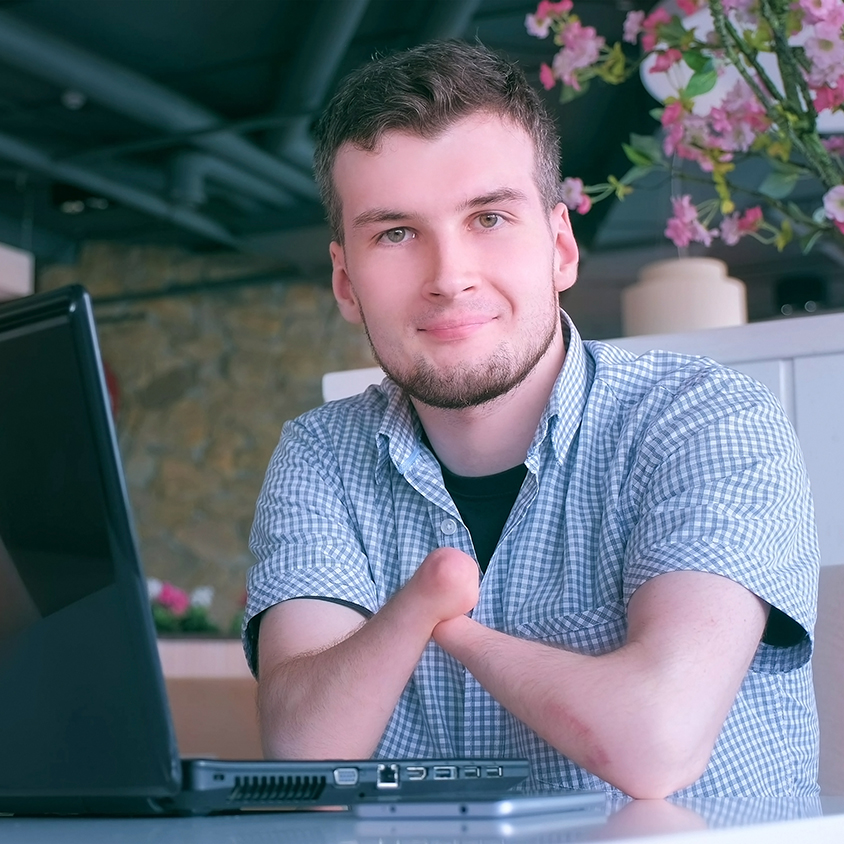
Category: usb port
[493,771]
[445,772]
[471,772]
[388,776]
[345,776]
[415,772]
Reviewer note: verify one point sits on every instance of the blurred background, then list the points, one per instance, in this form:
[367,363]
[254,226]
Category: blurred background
[158,152]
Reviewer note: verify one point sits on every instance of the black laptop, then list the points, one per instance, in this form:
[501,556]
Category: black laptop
[85,726]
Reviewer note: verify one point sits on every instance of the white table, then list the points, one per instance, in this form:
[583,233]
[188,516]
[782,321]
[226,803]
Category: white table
[645,822]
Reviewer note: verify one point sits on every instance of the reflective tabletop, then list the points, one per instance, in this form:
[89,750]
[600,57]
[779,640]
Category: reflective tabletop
[724,820]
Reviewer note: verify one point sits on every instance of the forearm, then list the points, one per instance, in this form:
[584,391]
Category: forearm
[644,717]
[581,705]
[335,703]
[327,689]
[615,715]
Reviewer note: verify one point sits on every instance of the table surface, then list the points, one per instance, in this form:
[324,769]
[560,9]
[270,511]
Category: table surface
[722,821]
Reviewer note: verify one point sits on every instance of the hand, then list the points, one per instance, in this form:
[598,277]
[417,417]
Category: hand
[446,584]
[454,631]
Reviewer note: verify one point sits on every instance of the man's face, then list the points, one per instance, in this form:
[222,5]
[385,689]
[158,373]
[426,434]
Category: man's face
[450,261]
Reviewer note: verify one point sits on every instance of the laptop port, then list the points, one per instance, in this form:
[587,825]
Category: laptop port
[471,772]
[346,776]
[445,772]
[493,771]
[388,776]
[415,772]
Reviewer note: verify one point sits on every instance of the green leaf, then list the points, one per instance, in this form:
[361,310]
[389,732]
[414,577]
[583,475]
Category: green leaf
[640,159]
[634,174]
[649,145]
[810,241]
[697,61]
[702,82]
[567,93]
[673,32]
[779,184]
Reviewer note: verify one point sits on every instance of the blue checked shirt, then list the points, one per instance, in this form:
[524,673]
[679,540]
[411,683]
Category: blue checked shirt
[639,466]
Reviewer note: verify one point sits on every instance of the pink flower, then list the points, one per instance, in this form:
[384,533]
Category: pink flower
[547,9]
[650,24]
[833,204]
[830,97]
[633,26]
[581,48]
[684,227]
[817,11]
[539,24]
[691,6]
[739,120]
[571,193]
[536,27]
[666,59]
[745,10]
[825,50]
[734,226]
[546,77]
[174,599]
[834,144]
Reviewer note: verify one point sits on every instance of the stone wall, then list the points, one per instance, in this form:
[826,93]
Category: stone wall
[205,381]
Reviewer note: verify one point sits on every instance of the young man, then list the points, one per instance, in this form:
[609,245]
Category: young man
[521,543]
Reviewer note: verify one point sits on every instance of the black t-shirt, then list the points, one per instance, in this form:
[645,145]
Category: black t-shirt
[484,504]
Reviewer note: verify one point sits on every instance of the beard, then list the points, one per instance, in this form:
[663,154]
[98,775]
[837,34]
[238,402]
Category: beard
[462,385]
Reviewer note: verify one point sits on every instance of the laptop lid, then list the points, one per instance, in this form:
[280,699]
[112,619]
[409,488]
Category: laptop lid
[85,723]
[83,709]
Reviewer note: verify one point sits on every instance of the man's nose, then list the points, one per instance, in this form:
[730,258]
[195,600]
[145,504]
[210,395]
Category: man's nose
[452,267]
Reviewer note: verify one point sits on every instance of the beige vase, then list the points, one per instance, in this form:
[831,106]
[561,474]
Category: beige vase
[683,294]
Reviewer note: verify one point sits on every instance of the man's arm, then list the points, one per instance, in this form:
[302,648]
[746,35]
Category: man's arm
[646,716]
[328,681]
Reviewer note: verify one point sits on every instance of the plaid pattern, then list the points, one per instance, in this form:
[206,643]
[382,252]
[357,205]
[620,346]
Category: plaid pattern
[639,466]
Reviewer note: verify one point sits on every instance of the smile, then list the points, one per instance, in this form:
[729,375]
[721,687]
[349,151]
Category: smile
[456,329]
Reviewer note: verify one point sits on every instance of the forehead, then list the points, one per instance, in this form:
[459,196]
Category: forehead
[478,154]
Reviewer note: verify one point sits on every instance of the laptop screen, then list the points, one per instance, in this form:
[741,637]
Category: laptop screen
[83,708]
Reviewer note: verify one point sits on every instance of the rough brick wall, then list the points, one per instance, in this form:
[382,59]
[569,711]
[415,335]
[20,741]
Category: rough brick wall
[206,381]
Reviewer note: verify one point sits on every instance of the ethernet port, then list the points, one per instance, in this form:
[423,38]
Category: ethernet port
[388,776]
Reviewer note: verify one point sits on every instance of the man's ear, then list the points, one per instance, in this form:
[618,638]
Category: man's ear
[342,286]
[566,254]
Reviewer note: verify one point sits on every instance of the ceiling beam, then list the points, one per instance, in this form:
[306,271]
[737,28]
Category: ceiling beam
[135,96]
[32,158]
[310,74]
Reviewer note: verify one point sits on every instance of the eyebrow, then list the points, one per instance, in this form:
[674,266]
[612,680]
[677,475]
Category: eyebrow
[494,197]
[378,216]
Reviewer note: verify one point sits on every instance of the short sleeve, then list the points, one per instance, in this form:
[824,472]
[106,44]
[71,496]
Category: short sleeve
[304,539]
[722,488]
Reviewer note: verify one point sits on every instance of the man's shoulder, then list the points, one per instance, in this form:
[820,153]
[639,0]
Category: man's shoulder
[350,426]
[363,411]
[631,376]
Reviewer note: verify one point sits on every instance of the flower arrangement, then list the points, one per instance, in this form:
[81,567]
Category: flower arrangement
[786,58]
[176,611]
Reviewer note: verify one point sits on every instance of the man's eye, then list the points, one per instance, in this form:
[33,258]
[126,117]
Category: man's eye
[396,235]
[489,221]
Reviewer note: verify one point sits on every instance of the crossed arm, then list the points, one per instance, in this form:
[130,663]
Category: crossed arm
[644,717]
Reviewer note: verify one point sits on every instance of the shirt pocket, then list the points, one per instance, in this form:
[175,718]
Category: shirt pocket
[595,631]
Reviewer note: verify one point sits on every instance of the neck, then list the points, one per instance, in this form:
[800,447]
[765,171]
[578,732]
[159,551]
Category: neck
[494,436]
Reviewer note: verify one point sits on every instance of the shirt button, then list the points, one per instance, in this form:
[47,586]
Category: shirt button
[448,527]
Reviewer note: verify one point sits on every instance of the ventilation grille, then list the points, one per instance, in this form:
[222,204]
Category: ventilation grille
[266,789]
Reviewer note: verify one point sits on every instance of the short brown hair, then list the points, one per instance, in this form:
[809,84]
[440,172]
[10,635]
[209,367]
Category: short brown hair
[424,91]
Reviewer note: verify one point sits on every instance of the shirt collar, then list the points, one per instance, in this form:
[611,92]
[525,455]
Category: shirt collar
[564,410]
